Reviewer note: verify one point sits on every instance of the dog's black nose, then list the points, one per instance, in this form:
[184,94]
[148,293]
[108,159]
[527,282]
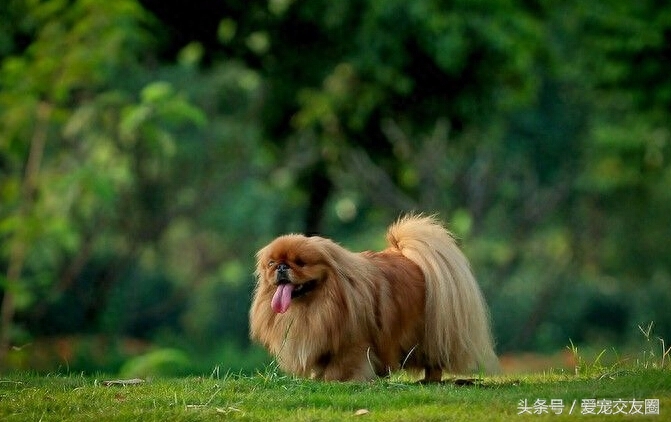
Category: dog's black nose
[281,277]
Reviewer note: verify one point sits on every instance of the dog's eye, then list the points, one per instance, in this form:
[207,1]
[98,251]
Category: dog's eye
[271,263]
[299,262]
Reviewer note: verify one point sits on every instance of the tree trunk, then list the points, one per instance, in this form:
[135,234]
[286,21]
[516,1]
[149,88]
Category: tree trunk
[20,242]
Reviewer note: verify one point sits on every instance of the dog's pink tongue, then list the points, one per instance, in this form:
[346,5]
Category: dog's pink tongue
[282,298]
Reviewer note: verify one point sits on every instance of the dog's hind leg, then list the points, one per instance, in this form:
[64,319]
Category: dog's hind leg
[432,374]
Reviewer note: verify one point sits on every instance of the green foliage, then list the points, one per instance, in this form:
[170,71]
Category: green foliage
[124,179]
[160,362]
[143,161]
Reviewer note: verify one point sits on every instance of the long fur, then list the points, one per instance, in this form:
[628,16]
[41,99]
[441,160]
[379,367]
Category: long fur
[414,305]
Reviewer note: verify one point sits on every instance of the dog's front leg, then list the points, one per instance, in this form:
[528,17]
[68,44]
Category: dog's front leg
[354,364]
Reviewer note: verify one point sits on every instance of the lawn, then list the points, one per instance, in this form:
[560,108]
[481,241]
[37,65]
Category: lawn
[612,395]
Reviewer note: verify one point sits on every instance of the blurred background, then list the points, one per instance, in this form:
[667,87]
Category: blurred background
[148,148]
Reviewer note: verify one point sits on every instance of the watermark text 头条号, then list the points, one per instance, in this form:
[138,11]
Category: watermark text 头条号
[588,407]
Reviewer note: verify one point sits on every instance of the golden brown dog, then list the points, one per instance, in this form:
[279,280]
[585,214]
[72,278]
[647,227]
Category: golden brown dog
[328,313]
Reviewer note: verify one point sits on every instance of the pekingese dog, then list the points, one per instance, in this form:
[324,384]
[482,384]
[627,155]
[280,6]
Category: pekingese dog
[328,313]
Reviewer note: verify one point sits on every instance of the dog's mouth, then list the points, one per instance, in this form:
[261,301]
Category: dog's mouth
[286,292]
[303,289]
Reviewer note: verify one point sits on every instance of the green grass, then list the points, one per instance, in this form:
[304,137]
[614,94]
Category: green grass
[271,396]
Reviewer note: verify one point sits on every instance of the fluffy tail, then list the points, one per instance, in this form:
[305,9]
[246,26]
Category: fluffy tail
[458,337]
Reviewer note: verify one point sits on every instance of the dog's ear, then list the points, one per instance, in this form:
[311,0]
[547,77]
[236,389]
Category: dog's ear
[261,262]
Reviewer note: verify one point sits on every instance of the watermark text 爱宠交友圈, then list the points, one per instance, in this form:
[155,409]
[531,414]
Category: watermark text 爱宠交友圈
[588,407]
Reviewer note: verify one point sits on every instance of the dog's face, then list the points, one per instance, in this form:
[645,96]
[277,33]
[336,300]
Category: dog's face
[292,267]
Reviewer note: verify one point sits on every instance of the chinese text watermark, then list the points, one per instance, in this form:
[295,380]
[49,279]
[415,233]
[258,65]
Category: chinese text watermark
[588,407]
